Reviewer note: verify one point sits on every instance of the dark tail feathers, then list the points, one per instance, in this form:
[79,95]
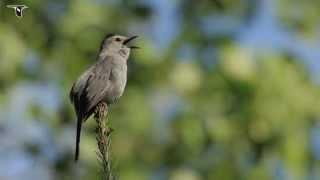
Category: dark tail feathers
[79,125]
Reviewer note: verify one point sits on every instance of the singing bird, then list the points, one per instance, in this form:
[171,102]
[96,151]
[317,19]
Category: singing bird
[104,81]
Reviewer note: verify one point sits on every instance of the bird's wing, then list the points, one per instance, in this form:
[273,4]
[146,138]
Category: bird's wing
[99,83]
[91,87]
[88,91]
[75,95]
[77,90]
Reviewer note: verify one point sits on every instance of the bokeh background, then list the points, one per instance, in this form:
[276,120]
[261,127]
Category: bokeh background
[220,89]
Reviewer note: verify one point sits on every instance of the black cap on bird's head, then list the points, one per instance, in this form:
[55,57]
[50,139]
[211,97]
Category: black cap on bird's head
[105,38]
[108,36]
[117,40]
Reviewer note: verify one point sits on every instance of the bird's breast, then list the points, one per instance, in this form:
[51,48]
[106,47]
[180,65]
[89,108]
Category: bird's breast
[120,75]
[118,79]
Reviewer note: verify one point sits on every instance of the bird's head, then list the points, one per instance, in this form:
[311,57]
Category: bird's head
[117,44]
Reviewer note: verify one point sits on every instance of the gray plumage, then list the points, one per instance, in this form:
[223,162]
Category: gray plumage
[104,81]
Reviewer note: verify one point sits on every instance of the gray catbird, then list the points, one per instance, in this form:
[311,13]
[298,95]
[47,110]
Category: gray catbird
[102,82]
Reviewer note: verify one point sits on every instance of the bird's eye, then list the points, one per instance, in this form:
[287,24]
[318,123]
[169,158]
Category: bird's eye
[118,39]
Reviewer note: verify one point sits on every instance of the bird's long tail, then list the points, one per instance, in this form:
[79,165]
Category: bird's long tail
[79,125]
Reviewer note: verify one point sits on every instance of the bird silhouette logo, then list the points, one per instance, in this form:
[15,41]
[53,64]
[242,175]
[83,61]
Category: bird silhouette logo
[18,9]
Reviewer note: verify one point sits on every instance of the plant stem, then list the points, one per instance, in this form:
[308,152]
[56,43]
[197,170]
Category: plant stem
[103,138]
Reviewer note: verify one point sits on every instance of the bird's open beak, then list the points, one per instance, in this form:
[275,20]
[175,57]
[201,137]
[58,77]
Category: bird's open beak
[130,39]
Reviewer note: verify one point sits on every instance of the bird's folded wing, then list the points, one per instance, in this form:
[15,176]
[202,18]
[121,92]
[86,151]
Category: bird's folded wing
[91,87]
[98,84]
